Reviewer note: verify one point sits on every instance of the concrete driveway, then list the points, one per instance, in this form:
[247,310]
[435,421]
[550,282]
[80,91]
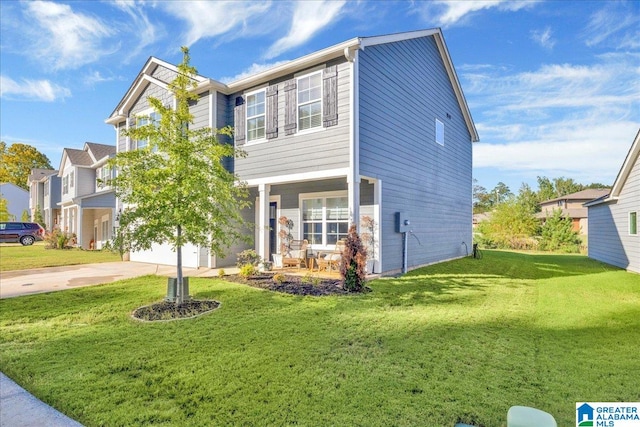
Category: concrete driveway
[25,282]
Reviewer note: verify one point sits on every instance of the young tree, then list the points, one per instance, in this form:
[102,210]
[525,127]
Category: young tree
[176,189]
[558,234]
[511,226]
[528,198]
[354,261]
[38,217]
[16,163]
[4,210]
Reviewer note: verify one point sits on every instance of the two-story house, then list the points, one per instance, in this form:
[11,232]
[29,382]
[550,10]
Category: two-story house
[87,206]
[373,126]
[572,206]
[44,195]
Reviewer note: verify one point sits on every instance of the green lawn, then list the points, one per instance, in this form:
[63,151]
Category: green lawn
[18,257]
[459,341]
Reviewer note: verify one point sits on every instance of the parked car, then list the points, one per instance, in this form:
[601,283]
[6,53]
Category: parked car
[23,232]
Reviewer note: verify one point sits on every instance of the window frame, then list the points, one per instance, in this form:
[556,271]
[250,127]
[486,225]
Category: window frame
[319,100]
[633,225]
[439,132]
[256,116]
[144,118]
[324,221]
[65,184]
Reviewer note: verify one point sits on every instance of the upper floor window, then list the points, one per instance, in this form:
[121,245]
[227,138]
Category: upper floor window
[439,132]
[71,178]
[633,223]
[309,101]
[153,118]
[65,184]
[103,175]
[256,116]
[46,188]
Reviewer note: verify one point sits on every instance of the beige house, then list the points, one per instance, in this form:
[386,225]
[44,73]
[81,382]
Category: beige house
[572,207]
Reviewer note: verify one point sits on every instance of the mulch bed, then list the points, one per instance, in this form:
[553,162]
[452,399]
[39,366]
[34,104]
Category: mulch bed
[294,285]
[166,310]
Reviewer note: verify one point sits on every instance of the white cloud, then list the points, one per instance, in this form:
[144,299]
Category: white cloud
[145,32]
[63,38]
[309,17]
[96,77]
[543,38]
[561,119]
[252,70]
[213,18]
[617,22]
[37,90]
[446,13]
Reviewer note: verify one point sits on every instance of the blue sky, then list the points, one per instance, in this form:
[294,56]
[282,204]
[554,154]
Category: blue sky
[553,86]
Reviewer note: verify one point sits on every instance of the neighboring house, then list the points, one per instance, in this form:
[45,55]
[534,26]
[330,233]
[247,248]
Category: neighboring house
[17,199]
[87,206]
[44,194]
[572,206]
[372,126]
[613,235]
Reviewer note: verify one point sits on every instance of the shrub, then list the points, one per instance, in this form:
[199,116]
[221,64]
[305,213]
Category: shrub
[247,270]
[279,278]
[558,234]
[221,272]
[57,239]
[248,256]
[354,259]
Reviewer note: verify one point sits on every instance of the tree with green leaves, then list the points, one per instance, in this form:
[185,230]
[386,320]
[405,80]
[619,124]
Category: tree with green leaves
[38,216]
[17,160]
[528,198]
[176,189]
[512,225]
[4,210]
[557,234]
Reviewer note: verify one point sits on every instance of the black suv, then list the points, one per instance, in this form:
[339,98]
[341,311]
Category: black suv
[23,232]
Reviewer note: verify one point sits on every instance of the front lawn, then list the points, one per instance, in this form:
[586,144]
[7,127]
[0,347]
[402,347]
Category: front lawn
[459,341]
[18,257]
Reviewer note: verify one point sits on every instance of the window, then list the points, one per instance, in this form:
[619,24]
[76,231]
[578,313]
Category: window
[633,223]
[46,188]
[310,101]
[256,116]
[151,118]
[439,132]
[71,176]
[65,184]
[325,220]
[103,174]
[105,230]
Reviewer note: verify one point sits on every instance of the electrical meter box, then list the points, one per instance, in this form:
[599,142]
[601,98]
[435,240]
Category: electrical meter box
[403,225]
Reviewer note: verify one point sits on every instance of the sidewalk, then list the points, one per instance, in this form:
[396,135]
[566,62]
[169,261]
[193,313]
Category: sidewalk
[26,282]
[18,408]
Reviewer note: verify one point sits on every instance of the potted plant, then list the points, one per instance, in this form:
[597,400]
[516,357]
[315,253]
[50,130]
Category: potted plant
[368,227]
[286,225]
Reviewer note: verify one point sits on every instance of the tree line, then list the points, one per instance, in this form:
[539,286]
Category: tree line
[512,221]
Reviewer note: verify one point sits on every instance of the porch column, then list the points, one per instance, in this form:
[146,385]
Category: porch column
[263,221]
[377,215]
[79,226]
[353,184]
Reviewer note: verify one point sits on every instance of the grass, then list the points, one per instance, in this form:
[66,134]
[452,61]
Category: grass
[18,257]
[456,342]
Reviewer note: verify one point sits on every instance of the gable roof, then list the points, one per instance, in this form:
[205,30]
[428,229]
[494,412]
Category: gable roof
[91,154]
[38,174]
[588,194]
[99,151]
[623,174]
[346,48]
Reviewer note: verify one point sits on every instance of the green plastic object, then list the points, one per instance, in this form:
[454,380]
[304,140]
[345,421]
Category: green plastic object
[524,416]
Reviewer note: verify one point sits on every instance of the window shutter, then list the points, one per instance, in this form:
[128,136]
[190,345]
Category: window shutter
[290,95]
[272,112]
[330,96]
[239,121]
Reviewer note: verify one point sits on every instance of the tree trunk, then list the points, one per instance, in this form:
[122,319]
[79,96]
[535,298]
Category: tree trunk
[180,290]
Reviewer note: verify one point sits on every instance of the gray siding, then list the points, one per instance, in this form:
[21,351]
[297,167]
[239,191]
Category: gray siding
[153,91]
[105,200]
[200,111]
[403,88]
[299,153]
[121,139]
[609,239]
[85,181]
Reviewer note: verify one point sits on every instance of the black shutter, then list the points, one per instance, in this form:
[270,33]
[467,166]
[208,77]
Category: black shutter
[272,112]
[239,121]
[290,95]
[330,96]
